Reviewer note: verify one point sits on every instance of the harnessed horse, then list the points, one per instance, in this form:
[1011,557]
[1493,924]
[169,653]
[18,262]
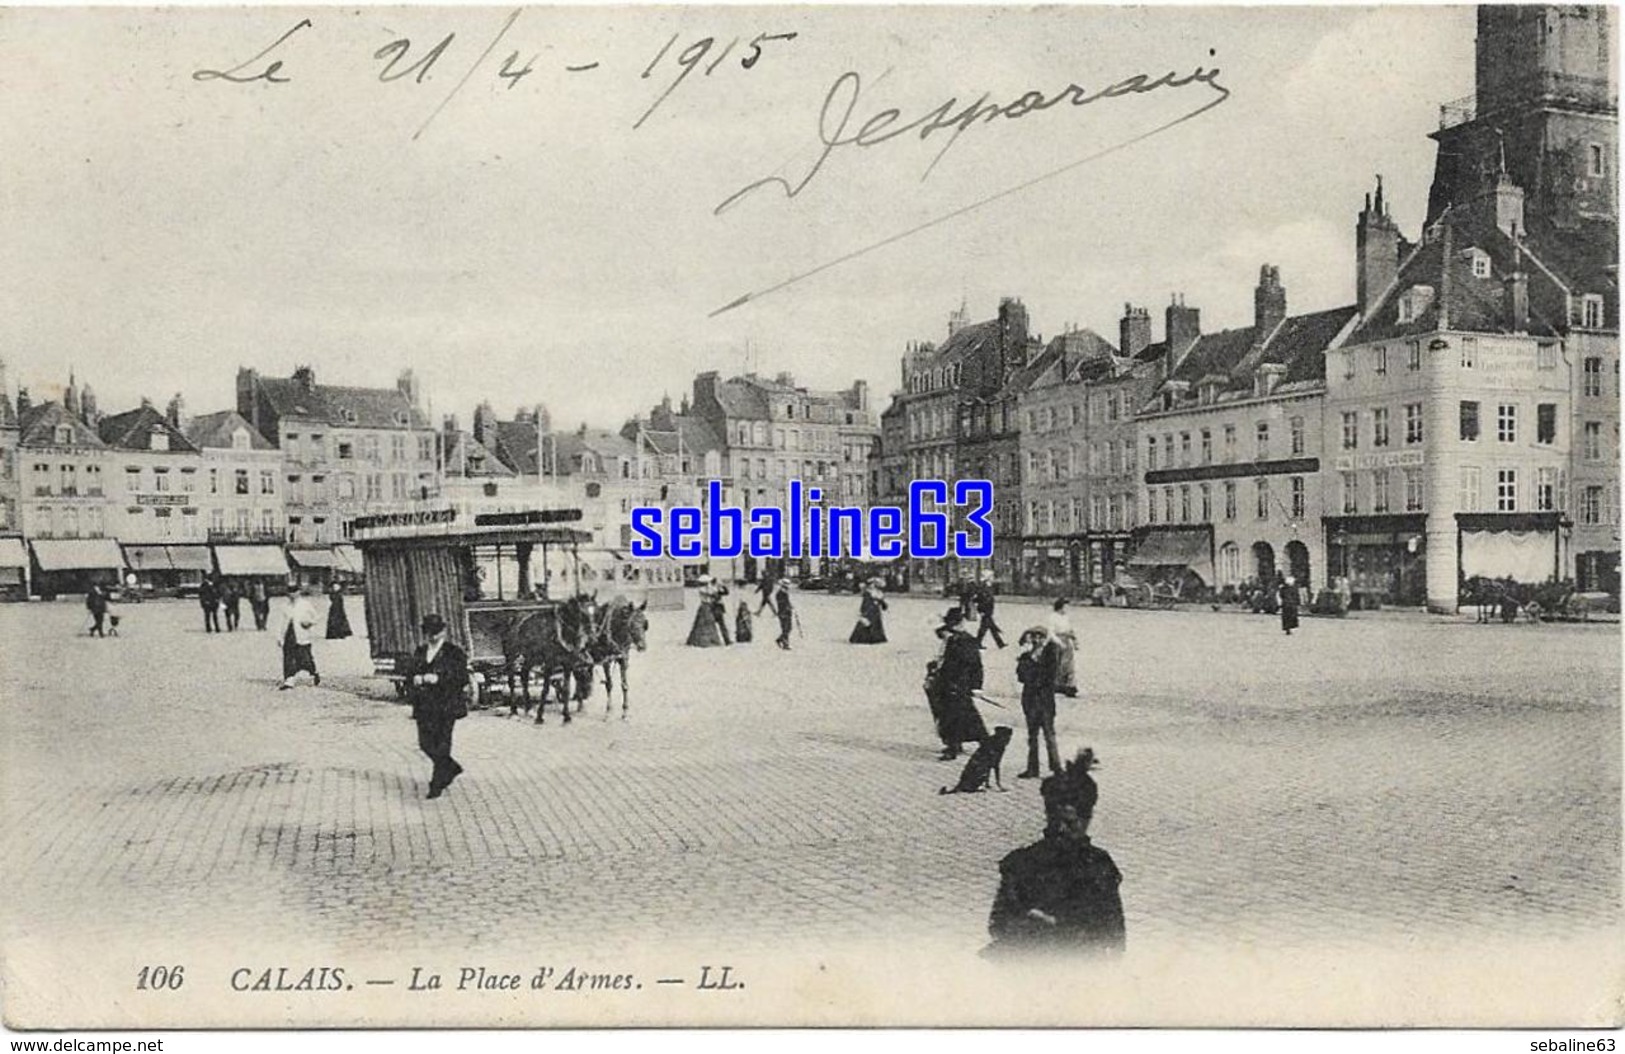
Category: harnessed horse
[624,627]
[557,642]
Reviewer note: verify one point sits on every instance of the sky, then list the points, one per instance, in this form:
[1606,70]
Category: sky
[554,236]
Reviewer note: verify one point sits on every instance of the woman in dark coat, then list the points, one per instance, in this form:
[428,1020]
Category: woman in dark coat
[871,627]
[1289,606]
[338,621]
[958,675]
[707,631]
[742,624]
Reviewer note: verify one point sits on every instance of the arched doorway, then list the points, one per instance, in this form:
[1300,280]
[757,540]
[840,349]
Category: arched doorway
[1264,563]
[1297,562]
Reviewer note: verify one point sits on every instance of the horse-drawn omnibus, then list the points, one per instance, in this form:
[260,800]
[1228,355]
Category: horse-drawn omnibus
[612,573]
[483,577]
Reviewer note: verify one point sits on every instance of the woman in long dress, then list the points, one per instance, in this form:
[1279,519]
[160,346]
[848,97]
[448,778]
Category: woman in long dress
[338,621]
[871,626]
[707,631]
[743,630]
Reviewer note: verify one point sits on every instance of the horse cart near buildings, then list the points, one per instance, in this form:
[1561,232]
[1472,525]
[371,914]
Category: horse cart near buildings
[507,584]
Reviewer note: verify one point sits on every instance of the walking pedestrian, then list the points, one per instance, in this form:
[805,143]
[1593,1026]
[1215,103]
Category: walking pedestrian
[871,626]
[719,609]
[96,604]
[208,598]
[708,630]
[959,675]
[1036,669]
[297,639]
[1060,894]
[338,620]
[231,598]
[1065,639]
[1289,605]
[259,603]
[785,610]
[436,682]
[984,611]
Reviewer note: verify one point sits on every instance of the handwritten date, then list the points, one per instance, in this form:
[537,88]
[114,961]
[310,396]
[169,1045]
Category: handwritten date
[399,62]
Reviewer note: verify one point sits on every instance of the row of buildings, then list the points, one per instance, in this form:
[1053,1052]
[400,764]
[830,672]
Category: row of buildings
[1460,418]
[168,496]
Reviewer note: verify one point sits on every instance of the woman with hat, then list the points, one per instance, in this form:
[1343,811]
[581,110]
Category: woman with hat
[871,627]
[708,630]
[957,675]
[435,683]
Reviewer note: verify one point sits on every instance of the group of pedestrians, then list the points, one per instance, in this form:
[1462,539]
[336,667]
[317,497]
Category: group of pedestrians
[710,628]
[216,596]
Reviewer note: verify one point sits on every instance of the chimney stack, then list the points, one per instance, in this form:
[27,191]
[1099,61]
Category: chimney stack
[176,412]
[1134,331]
[1376,251]
[407,385]
[306,377]
[1269,304]
[1183,326]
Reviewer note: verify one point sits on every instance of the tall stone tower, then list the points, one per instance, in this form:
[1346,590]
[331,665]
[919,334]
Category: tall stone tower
[1545,112]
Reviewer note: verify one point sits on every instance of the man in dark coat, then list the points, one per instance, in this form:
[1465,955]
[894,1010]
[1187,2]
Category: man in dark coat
[1037,669]
[871,625]
[435,682]
[208,598]
[1060,894]
[96,603]
[231,598]
[1289,605]
[984,611]
[959,675]
[785,610]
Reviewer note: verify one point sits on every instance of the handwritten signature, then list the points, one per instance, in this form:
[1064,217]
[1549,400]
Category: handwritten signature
[835,117]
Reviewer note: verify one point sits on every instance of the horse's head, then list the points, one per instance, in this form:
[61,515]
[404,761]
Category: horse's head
[637,625]
[578,621]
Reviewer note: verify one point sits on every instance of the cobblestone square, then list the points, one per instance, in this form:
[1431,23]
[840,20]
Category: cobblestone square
[1383,784]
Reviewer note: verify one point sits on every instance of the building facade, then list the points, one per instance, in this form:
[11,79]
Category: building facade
[1230,447]
[346,451]
[241,486]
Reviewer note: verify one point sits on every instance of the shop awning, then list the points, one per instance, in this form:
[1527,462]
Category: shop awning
[250,560]
[12,553]
[188,557]
[1176,549]
[313,558]
[349,559]
[147,558]
[78,554]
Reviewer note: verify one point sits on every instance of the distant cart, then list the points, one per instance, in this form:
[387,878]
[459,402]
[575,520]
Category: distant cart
[481,577]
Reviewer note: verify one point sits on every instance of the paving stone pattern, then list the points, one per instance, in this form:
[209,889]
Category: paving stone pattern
[1394,773]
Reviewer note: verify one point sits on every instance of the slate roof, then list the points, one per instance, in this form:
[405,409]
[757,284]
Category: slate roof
[133,429]
[37,428]
[1478,305]
[468,458]
[606,444]
[1232,356]
[742,399]
[215,431]
[342,407]
[697,436]
[515,446]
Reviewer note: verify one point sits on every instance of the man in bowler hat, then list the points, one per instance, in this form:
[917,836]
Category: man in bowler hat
[435,682]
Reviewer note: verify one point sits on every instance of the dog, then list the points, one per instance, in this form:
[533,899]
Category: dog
[112,625]
[982,770]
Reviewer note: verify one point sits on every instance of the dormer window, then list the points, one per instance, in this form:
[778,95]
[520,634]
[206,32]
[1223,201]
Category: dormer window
[158,440]
[400,417]
[1414,301]
[1591,311]
[64,435]
[239,439]
[1480,261]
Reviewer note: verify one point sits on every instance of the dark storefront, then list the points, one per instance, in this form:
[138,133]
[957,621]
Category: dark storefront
[1383,558]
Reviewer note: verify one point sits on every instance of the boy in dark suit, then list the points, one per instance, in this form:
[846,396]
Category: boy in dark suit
[435,682]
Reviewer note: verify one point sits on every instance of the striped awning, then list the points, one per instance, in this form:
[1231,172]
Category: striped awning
[78,554]
[12,553]
[248,560]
